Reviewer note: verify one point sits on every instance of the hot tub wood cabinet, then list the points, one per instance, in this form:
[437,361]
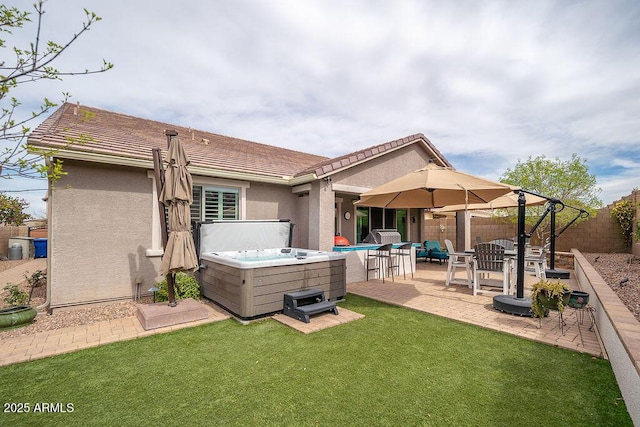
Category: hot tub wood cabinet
[251,286]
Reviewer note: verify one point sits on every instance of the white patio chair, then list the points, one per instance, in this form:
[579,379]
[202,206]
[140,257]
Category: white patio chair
[537,263]
[457,260]
[489,259]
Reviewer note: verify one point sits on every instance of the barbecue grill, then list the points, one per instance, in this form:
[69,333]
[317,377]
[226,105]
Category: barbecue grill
[383,236]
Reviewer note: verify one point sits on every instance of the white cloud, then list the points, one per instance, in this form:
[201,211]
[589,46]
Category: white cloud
[490,81]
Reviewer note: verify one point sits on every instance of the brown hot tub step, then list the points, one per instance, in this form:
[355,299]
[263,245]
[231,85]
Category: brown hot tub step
[302,304]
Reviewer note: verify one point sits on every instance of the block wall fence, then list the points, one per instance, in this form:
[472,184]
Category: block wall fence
[7,232]
[597,234]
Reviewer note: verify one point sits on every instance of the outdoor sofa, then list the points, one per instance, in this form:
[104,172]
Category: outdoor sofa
[431,250]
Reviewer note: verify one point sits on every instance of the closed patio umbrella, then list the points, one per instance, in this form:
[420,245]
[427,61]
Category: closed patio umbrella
[433,187]
[176,194]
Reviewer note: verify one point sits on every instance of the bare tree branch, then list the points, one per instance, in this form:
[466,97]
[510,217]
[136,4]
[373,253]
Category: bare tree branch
[31,65]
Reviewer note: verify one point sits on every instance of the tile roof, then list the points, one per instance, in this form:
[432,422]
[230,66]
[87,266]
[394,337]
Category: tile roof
[330,166]
[123,136]
[132,137]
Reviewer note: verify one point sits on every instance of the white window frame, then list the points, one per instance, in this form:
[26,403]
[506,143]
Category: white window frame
[156,249]
[220,191]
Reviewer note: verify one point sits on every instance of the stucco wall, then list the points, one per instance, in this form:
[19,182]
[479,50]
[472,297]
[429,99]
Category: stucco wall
[372,174]
[101,222]
[348,226]
[301,229]
[383,169]
[321,216]
[100,231]
[265,201]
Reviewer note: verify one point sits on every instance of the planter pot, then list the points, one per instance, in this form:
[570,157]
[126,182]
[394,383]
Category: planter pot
[578,299]
[15,317]
[552,303]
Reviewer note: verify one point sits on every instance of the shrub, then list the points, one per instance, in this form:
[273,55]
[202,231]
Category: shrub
[623,213]
[39,278]
[185,287]
[16,296]
[552,292]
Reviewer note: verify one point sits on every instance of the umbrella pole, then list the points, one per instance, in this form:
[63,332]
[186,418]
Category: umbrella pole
[522,241]
[159,176]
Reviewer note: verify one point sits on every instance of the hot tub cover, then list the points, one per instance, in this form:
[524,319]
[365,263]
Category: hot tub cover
[218,236]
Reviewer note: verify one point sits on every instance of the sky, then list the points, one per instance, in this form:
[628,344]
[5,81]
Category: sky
[487,82]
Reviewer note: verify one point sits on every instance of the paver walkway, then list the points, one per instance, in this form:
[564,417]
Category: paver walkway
[426,292]
[16,275]
[65,340]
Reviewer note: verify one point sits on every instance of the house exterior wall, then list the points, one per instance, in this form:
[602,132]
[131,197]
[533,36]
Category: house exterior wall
[372,174]
[100,230]
[321,228]
[104,233]
[383,169]
[301,229]
[265,201]
[347,226]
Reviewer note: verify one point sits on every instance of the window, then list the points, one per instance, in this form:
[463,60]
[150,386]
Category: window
[213,199]
[368,219]
[401,224]
[362,223]
[214,203]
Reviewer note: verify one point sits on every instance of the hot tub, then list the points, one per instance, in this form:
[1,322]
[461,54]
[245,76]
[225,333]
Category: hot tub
[251,282]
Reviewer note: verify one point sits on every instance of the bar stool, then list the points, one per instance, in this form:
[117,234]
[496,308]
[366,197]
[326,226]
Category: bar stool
[402,252]
[377,257]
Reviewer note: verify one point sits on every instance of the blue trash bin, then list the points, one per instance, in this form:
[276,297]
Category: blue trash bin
[40,248]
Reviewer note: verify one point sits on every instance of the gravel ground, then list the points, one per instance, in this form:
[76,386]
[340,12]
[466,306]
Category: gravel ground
[60,318]
[622,274]
[614,269]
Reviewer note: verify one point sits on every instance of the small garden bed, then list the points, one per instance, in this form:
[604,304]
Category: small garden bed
[622,273]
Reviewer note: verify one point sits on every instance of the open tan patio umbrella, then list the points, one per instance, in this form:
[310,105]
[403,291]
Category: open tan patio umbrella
[176,194]
[433,187]
[509,200]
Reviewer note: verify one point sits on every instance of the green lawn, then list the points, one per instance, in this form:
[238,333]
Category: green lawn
[395,367]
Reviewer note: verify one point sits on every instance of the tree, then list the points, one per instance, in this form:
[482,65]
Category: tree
[12,210]
[29,65]
[568,181]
